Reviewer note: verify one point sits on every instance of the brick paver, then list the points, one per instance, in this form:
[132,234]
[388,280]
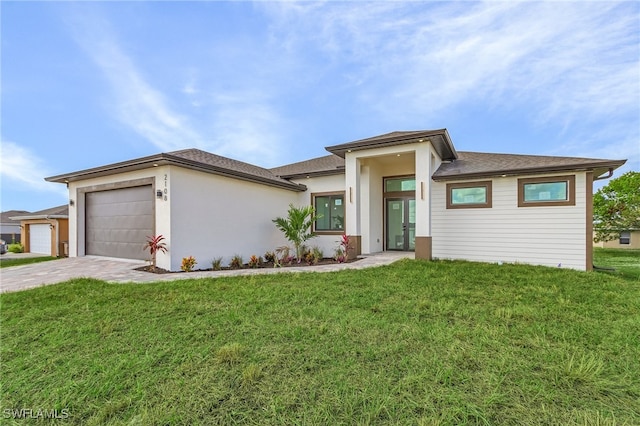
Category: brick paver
[123,271]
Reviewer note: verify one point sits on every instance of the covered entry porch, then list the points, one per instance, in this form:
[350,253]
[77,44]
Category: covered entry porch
[388,192]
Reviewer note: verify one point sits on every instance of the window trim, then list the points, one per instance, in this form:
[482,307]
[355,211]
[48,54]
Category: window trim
[625,238]
[571,191]
[313,204]
[488,184]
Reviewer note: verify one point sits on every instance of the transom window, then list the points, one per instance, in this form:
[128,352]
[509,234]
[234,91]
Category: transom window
[548,191]
[469,195]
[400,184]
[330,209]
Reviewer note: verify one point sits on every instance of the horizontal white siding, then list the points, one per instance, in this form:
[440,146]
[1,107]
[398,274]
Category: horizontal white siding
[550,236]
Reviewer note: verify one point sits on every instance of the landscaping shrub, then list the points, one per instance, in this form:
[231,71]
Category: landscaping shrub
[236,262]
[216,264]
[15,248]
[188,263]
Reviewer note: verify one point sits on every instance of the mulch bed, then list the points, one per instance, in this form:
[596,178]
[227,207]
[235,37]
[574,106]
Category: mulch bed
[264,265]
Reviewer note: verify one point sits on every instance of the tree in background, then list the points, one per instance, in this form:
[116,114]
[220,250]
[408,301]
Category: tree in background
[616,207]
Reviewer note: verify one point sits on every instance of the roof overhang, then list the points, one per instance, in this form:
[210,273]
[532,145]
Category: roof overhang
[439,139]
[598,170]
[165,159]
[337,171]
[40,217]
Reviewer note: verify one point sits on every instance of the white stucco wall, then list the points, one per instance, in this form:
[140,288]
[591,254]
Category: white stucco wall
[550,236]
[214,216]
[333,183]
[76,212]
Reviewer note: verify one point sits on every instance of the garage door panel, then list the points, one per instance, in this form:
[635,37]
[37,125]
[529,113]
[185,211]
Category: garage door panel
[118,222]
[40,238]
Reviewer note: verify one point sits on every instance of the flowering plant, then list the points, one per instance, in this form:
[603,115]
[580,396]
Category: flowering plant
[188,263]
[155,244]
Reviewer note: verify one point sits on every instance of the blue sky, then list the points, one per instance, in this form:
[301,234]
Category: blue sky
[90,83]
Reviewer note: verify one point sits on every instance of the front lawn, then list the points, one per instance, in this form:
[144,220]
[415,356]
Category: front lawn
[626,262]
[4,263]
[446,343]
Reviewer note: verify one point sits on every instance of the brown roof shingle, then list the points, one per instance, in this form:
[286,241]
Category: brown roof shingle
[56,212]
[439,139]
[321,166]
[191,158]
[482,164]
[5,217]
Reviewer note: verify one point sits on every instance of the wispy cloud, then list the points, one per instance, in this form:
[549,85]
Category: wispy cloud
[567,63]
[19,166]
[239,123]
[137,103]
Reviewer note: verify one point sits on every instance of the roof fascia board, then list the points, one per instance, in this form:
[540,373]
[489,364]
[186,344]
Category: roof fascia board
[39,217]
[443,145]
[601,167]
[196,165]
[320,173]
[166,159]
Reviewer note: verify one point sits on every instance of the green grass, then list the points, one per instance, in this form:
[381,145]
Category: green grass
[626,262]
[423,343]
[5,263]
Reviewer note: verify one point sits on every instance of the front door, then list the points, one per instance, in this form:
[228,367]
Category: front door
[401,223]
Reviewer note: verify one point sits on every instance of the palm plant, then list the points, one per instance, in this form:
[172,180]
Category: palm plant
[297,226]
[155,244]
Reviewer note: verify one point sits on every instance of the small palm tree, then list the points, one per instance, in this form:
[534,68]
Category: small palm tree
[297,226]
[155,244]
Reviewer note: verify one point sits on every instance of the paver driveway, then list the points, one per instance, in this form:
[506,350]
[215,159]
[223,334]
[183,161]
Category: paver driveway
[117,270]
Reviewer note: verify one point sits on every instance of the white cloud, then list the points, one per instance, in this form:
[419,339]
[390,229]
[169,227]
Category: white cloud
[240,123]
[568,58]
[137,104]
[19,166]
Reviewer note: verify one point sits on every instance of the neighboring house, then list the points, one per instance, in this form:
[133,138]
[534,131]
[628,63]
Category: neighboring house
[398,191]
[46,231]
[629,239]
[9,228]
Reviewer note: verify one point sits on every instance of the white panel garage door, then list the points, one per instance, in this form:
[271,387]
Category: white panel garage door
[118,222]
[40,238]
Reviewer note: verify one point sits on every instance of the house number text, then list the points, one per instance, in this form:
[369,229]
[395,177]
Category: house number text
[166,191]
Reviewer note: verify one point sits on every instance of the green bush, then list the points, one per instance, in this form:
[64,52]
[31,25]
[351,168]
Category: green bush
[15,248]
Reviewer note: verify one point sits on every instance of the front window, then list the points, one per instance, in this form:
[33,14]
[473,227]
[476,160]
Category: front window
[625,237]
[549,191]
[330,210]
[469,195]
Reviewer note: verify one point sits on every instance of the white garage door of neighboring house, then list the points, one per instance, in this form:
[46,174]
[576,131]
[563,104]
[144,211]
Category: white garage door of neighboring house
[40,238]
[118,222]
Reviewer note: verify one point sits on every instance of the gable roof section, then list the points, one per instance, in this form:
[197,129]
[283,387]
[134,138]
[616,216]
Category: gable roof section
[439,139]
[470,165]
[59,212]
[6,217]
[321,166]
[194,159]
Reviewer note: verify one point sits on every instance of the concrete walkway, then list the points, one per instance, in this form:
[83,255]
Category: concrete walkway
[23,277]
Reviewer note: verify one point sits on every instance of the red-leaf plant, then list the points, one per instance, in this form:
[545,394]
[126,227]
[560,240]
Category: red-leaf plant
[155,244]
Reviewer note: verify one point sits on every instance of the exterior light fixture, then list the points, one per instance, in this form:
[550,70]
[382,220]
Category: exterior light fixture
[72,203]
[159,194]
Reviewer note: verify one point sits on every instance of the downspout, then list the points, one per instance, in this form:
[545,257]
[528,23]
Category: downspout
[605,177]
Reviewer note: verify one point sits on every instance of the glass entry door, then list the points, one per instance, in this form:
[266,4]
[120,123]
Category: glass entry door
[401,223]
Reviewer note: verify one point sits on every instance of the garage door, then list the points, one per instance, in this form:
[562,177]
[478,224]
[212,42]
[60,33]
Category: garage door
[40,238]
[118,222]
